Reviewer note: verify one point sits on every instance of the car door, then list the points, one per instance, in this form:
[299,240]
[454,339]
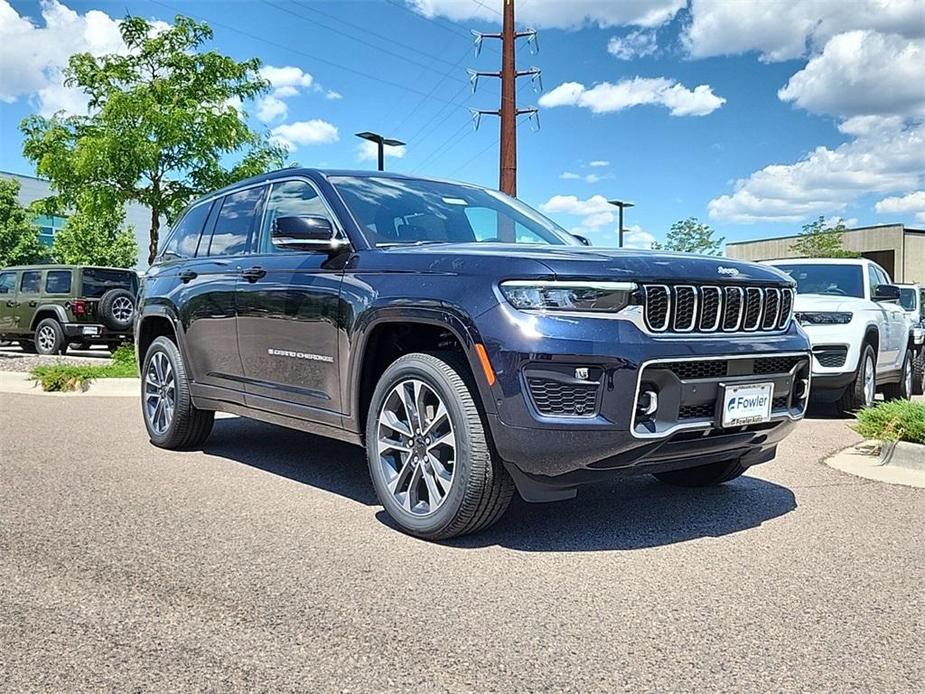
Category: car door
[289,315]
[30,291]
[207,304]
[8,302]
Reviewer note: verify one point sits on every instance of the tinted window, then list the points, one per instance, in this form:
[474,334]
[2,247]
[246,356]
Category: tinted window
[58,282]
[406,210]
[97,281]
[7,282]
[289,199]
[182,243]
[31,282]
[235,221]
[835,280]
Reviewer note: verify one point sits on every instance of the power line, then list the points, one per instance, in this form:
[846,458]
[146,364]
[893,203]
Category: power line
[421,101]
[446,26]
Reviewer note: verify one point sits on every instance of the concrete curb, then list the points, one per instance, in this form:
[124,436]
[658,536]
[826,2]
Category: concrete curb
[903,454]
[19,383]
[867,460]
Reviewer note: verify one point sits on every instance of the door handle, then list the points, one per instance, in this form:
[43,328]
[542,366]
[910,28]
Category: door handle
[33,303]
[12,304]
[187,275]
[252,274]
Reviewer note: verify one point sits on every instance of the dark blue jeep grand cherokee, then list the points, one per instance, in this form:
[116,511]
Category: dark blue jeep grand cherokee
[473,346]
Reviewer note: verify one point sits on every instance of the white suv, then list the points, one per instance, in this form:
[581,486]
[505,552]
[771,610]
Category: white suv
[912,300]
[862,338]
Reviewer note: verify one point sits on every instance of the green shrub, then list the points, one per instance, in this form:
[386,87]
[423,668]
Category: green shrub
[63,377]
[899,420]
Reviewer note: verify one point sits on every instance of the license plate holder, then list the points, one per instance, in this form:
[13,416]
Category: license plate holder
[745,403]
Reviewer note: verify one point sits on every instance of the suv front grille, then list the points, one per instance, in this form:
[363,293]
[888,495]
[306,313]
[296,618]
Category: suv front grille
[686,308]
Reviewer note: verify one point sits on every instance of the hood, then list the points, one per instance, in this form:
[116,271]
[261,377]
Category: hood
[827,302]
[618,264]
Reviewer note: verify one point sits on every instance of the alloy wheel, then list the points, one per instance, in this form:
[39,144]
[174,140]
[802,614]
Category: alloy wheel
[416,447]
[870,383]
[160,393]
[122,309]
[46,338]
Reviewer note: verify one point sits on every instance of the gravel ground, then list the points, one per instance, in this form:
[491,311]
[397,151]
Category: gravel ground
[263,563]
[12,358]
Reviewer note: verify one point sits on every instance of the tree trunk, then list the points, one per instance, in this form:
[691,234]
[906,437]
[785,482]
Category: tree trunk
[155,228]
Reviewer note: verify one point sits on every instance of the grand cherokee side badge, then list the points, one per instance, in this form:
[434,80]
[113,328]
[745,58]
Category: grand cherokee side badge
[299,355]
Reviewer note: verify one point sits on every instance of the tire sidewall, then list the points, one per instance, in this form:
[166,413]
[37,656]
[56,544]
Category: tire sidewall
[867,355]
[106,314]
[420,369]
[59,336]
[904,392]
[168,348]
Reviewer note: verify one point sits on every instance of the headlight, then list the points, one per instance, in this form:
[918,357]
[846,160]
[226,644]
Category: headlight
[823,317]
[594,297]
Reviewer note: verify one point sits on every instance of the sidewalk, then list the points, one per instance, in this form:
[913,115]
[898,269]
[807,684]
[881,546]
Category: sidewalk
[18,382]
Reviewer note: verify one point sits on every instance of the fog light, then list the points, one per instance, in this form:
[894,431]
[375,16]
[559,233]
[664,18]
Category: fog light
[647,403]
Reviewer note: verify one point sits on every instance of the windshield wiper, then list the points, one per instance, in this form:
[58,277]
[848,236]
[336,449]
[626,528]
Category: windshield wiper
[422,242]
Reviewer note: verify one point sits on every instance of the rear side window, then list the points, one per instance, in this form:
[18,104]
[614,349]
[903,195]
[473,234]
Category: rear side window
[58,282]
[97,281]
[232,231]
[7,282]
[31,282]
[182,243]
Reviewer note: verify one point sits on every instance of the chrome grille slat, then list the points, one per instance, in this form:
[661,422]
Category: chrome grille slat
[687,308]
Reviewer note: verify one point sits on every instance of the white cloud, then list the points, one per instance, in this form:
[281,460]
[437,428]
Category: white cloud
[598,163]
[786,30]
[587,178]
[860,73]
[885,156]
[913,203]
[331,95]
[635,237]
[286,76]
[595,216]
[310,132]
[33,57]
[606,97]
[557,13]
[635,44]
[270,108]
[369,151]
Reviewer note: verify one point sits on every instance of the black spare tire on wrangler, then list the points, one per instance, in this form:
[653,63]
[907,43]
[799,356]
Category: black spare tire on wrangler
[117,309]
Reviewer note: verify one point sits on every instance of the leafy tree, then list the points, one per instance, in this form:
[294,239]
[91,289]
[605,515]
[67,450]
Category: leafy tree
[19,236]
[691,236]
[819,240]
[96,237]
[162,122]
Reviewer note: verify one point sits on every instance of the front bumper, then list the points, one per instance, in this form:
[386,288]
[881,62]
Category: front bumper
[550,447]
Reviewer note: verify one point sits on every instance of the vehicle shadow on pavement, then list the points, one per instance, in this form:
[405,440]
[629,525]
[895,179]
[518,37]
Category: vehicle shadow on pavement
[631,513]
[317,461]
[635,513]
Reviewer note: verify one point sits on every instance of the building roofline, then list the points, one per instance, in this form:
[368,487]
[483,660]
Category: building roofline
[13,173]
[849,230]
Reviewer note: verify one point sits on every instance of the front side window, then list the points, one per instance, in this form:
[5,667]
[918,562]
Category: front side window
[397,211]
[7,282]
[58,282]
[289,199]
[232,231]
[832,280]
[185,237]
[31,282]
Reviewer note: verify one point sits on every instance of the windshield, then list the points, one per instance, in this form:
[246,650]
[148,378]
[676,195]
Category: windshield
[836,280]
[396,211]
[907,298]
[98,281]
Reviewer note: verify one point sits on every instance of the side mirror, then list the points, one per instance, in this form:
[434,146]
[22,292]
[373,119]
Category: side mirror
[886,292]
[583,240]
[306,231]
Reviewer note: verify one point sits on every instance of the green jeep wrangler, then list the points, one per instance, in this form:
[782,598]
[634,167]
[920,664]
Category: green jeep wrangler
[48,307]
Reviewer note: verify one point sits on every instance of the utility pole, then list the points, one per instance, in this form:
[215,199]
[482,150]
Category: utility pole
[381,142]
[508,111]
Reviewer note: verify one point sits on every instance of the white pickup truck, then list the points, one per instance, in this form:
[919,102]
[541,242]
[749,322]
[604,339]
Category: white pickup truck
[862,338]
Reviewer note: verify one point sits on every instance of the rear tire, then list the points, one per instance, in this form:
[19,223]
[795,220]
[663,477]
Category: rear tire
[49,337]
[702,476]
[433,490]
[170,417]
[903,389]
[918,373]
[861,392]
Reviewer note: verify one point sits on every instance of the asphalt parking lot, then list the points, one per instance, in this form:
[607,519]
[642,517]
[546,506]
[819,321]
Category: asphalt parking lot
[264,563]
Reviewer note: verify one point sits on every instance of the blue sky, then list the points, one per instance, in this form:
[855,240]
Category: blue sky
[754,117]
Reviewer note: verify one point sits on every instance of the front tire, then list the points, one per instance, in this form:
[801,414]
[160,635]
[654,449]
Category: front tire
[702,476]
[903,389]
[918,373]
[171,419]
[49,337]
[860,393]
[429,456]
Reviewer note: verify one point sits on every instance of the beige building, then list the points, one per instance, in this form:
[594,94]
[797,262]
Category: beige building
[895,247]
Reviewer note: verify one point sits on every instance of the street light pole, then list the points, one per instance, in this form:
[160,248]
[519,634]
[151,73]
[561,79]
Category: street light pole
[621,204]
[381,142]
